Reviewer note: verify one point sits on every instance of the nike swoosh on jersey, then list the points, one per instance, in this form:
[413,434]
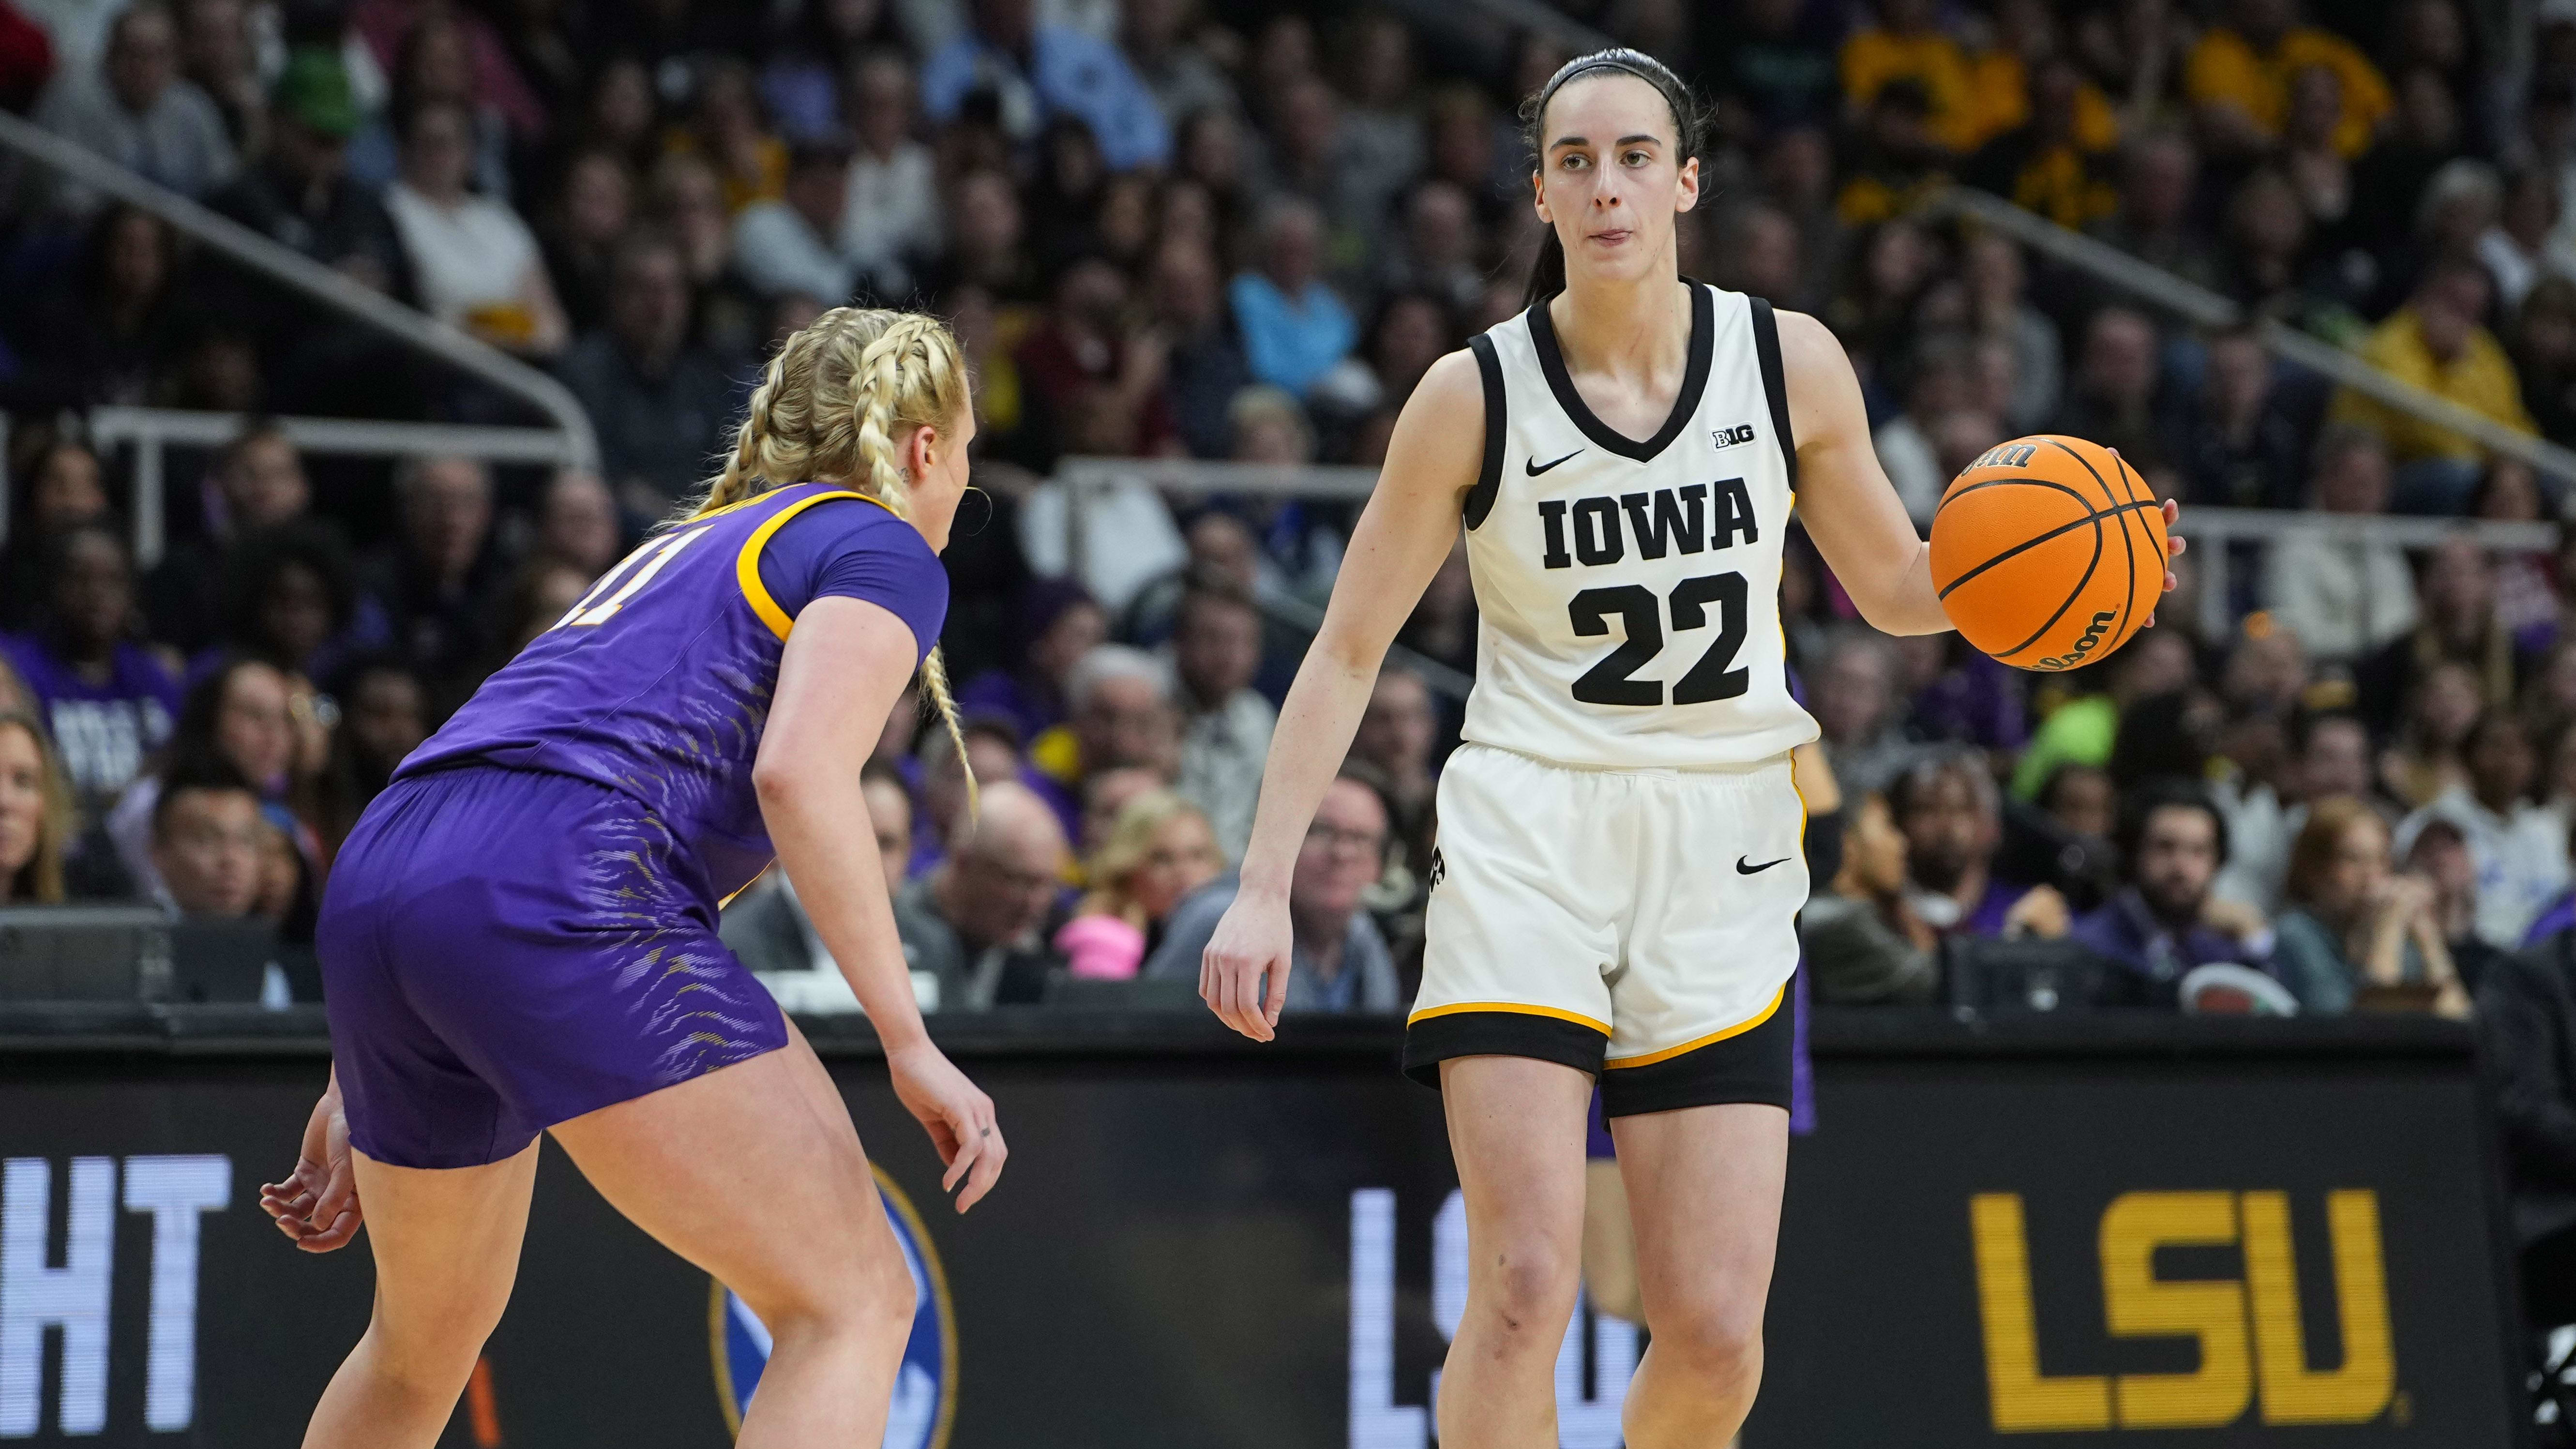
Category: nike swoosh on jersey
[1536,468]
[1744,867]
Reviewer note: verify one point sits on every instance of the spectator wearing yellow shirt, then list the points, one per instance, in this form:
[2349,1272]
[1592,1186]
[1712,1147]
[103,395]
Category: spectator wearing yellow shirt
[2436,343]
[727,129]
[1906,45]
[2238,79]
[1899,162]
[2046,163]
[2003,80]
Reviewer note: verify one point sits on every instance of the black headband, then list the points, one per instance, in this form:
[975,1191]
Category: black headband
[1624,61]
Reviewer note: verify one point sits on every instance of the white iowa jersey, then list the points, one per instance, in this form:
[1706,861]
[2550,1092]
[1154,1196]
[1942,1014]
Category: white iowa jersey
[1630,590]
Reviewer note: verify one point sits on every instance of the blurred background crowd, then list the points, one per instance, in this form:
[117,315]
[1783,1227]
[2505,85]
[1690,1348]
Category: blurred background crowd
[1238,232]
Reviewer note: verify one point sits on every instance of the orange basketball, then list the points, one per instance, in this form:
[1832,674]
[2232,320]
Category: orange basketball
[2048,552]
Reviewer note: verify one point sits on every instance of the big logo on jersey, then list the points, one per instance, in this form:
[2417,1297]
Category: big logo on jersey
[925,1389]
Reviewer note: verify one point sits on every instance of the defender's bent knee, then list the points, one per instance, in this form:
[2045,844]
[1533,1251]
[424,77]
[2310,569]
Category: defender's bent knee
[870,1299]
[427,1367]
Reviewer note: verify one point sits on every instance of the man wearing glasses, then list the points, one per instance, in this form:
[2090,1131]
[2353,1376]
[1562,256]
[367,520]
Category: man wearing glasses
[1341,963]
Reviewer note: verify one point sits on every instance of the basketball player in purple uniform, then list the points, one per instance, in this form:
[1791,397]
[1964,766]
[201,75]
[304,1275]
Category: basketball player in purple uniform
[520,935]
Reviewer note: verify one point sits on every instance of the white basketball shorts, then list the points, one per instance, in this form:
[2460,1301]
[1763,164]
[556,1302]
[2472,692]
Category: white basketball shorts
[1637,924]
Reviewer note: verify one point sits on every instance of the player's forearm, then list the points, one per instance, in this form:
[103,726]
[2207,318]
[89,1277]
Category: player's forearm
[1851,511]
[819,826]
[1316,723]
[1899,600]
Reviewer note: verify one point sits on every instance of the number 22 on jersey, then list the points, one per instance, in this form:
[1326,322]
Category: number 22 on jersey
[637,569]
[1662,521]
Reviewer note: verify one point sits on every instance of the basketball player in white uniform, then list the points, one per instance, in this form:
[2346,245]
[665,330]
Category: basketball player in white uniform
[1619,868]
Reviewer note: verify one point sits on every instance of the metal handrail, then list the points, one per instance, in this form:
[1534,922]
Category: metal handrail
[297,272]
[1080,477]
[150,429]
[2265,525]
[2210,528]
[2205,308]
[1198,476]
[2215,528]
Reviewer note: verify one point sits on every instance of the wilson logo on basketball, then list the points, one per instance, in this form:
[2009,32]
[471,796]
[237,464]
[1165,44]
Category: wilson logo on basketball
[2093,633]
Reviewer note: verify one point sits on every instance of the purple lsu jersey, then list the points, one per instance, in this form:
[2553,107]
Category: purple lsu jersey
[657,684]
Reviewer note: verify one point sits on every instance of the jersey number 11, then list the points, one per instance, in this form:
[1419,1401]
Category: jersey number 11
[653,556]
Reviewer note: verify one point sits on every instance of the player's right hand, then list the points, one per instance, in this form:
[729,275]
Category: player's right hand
[1250,948]
[956,1114]
[317,1205]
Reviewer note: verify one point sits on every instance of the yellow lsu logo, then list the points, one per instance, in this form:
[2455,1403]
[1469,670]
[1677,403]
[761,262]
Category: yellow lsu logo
[2217,1313]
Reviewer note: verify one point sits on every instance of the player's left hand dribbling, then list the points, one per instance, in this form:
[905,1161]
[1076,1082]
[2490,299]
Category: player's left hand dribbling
[958,1117]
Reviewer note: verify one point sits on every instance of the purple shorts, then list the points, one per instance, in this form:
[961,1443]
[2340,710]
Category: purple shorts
[503,950]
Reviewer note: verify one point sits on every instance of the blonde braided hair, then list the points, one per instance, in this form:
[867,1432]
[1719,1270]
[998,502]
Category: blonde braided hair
[830,407]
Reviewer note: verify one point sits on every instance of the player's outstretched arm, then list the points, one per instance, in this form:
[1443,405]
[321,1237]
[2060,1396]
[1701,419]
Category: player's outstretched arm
[1404,533]
[846,662]
[1850,509]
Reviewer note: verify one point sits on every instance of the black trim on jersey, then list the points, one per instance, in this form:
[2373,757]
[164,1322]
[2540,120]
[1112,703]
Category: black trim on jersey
[1703,347]
[1753,1066]
[1436,1039]
[1480,499]
[1775,382]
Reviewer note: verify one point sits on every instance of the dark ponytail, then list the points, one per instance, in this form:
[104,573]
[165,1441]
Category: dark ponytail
[1690,123]
[1547,271]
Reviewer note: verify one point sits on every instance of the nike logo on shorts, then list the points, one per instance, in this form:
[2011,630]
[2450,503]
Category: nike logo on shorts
[1535,468]
[1744,865]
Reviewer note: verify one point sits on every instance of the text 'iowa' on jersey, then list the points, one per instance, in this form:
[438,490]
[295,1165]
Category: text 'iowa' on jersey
[1694,518]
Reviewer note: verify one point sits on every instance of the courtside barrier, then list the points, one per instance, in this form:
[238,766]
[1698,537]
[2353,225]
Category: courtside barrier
[2115,1232]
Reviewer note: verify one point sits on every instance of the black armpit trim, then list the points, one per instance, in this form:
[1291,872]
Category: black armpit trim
[1489,366]
[1775,382]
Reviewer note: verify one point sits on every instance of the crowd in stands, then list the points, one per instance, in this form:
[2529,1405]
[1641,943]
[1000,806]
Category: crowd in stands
[1181,229]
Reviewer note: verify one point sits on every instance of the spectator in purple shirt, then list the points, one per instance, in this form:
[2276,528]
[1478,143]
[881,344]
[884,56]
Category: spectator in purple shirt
[1951,815]
[994,749]
[1059,622]
[2559,915]
[2164,921]
[108,700]
[1963,695]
